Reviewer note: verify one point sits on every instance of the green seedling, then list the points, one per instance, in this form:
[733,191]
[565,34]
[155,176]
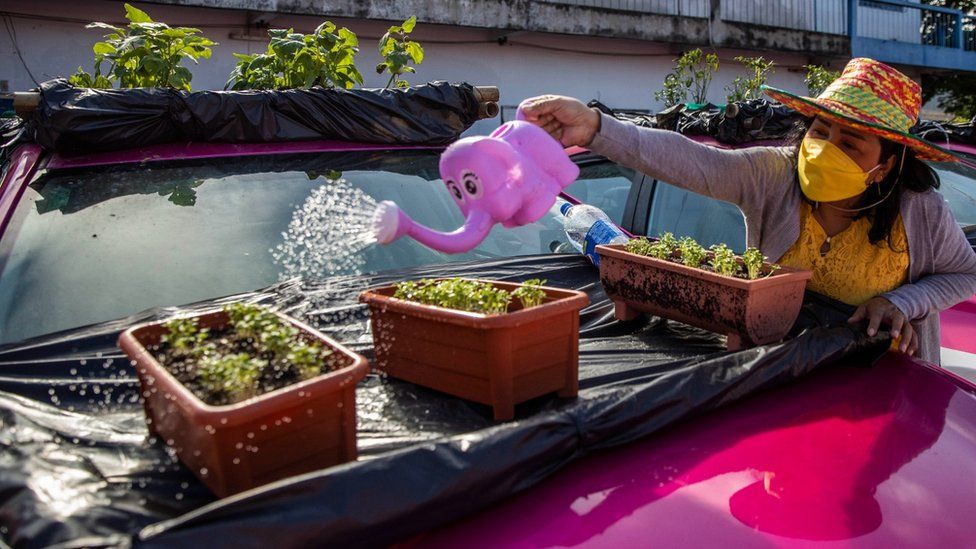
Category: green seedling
[724,261]
[234,375]
[665,246]
[692,253]
[530,293]
[639,246]
[186,337]
[398,52]
[456,293]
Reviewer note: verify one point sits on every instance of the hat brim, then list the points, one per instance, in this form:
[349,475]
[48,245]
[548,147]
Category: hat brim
[809,106]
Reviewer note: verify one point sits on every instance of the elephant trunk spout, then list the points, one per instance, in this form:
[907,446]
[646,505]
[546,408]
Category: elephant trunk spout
[390,223]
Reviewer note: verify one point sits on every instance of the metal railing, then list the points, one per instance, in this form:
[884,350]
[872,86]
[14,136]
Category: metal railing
[915,23]
[683,8]
[907,21]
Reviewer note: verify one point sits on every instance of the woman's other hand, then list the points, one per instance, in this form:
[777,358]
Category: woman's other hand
[568,120]
[878,311]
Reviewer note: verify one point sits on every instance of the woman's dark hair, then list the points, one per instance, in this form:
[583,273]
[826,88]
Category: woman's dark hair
[915,176]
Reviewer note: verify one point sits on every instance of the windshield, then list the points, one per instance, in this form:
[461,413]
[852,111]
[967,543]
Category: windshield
[99,244]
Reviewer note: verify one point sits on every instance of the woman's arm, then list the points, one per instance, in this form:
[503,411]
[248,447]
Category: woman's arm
[953,276]
[745,177]
[748,178]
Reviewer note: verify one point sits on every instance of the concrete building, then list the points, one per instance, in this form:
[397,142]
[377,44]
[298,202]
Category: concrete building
[617,51]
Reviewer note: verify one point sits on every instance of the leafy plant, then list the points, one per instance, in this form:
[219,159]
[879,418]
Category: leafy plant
[640,246]
[261,339]
[723,260]
[692,253]
[185,337]
[144,54]
[234,375]
[456,293]
[293,60]
[398,52]
[743,89]
[665,246]
[818,78]
[692,73]
[530,293]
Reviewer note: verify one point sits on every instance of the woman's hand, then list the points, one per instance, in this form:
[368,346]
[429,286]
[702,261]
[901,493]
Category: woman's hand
[878,310]
[566,119]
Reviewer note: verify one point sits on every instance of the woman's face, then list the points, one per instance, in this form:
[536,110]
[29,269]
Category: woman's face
[862,148]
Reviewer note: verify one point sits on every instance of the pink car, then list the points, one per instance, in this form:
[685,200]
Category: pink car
[851,455]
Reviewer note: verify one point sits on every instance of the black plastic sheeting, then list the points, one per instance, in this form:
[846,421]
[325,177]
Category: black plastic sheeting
[76,120]
[78,468]
[735,123]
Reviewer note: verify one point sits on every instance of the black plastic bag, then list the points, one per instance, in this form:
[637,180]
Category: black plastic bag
[944,133]
[70,415]
[77,120]
[755,120]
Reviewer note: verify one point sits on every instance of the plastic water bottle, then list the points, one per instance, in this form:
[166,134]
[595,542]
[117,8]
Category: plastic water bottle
[588,227]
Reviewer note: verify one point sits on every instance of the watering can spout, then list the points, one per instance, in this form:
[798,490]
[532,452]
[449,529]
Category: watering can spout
[390,223]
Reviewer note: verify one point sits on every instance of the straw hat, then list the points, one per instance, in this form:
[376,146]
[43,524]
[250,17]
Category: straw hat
[873,98]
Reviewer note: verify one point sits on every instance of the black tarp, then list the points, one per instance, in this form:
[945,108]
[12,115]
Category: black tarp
[76,120]
[77,466]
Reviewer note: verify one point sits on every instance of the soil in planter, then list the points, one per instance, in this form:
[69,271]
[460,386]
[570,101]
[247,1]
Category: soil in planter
[276,371]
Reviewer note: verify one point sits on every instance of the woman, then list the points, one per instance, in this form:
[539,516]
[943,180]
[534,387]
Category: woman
[853,202]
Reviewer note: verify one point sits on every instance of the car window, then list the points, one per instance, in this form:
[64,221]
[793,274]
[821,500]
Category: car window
[603,184]
[958,185]
[98,244]
[685,213]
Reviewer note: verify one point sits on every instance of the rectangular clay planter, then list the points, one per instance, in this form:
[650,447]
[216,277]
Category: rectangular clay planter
[749,312]
[498,360]
[295,429]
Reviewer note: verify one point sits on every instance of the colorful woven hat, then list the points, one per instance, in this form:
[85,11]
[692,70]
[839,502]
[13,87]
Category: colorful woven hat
[871,97]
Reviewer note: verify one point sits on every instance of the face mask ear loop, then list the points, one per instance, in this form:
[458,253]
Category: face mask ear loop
[891,190]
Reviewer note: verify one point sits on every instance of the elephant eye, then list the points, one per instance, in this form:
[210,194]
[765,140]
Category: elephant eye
[452,186]
[471,184]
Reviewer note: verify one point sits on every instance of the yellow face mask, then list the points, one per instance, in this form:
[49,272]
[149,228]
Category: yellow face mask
[827,174]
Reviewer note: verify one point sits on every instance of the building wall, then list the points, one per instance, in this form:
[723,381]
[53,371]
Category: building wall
[621,73]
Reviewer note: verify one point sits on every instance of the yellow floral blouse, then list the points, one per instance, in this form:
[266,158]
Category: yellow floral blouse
[853,270]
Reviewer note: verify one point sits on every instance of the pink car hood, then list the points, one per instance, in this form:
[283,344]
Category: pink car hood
[878,456]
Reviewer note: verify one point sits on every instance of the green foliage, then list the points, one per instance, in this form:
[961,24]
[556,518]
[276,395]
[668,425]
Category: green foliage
[743,89]
[639,246]
[530,293]
[692,253]
[692,73]
[234,375]
[185,337]
[293,60]
[818,78]
[398,52]
[144,54]
[665,246]
[723,261]
[457,294]
[753,260]
[954,92]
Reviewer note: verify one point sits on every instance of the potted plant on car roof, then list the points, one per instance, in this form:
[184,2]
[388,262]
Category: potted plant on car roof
[245,395]
[496,343]
[751,301]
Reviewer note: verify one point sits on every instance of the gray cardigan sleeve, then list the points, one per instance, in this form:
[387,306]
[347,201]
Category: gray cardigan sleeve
[948,264]
[745,177]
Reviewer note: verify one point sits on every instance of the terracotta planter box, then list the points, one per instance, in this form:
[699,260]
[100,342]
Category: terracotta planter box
[749,312]
[295,429]
[498,360]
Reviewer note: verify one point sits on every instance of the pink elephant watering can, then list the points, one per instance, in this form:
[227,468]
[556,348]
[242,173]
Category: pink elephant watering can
[511,177]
